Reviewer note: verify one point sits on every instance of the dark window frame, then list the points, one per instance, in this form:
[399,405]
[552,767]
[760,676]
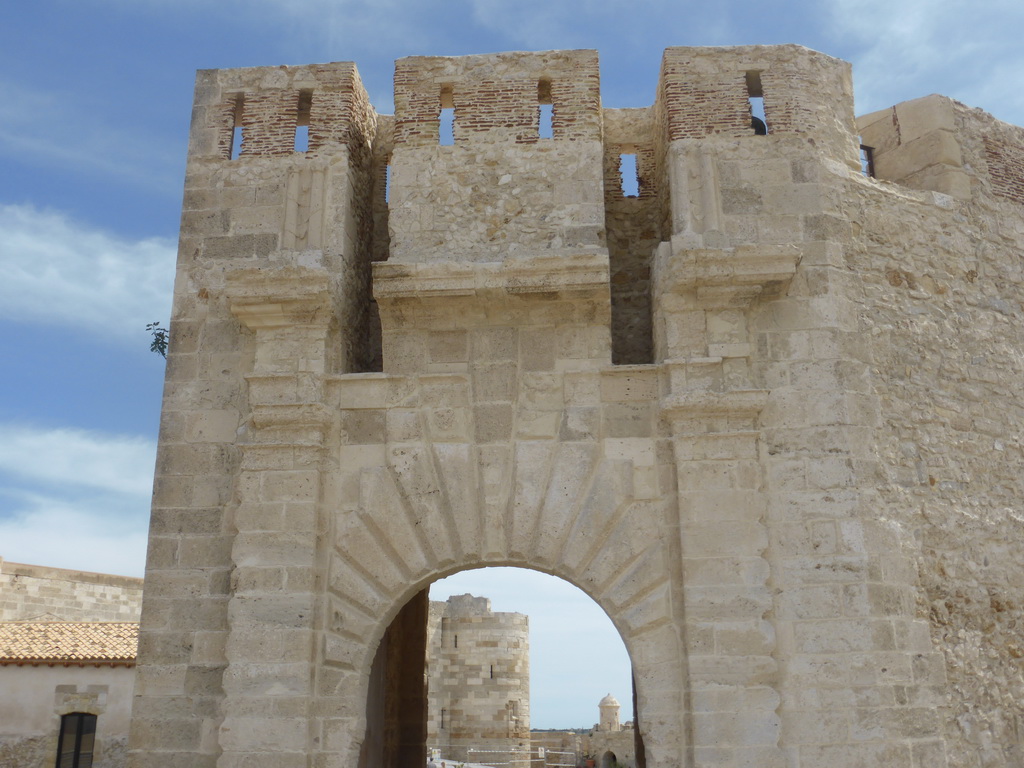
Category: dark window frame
[79,726]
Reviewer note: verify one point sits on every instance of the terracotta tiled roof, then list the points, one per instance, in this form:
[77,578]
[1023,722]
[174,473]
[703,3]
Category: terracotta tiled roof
[65,642]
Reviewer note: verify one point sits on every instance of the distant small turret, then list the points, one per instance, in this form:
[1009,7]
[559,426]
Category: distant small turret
[609,707]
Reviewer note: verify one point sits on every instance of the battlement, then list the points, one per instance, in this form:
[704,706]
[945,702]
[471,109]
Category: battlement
[504,157]
[257,111]
[935,143]
[498,97]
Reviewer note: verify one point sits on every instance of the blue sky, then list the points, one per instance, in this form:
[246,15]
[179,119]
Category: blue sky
[94,111]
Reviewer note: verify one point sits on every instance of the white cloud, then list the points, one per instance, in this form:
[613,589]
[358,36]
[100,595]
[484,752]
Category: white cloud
[55,128]
[909,48]
[58,272]
[63,535]
[74,499]
[69,457]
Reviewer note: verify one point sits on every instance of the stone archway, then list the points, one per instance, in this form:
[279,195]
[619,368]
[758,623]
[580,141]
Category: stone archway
[451,644]
[395,695]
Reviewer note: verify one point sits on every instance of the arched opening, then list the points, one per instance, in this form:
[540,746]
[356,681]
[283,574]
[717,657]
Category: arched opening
[494,666]
[608,760]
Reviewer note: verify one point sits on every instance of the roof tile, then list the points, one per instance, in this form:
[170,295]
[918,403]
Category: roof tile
[61,642]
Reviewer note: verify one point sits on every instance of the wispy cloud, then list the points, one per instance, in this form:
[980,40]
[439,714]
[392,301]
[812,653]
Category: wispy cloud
[120,464]
[74,499]
[57,533]
[908,48]
[58,272]
[54,128]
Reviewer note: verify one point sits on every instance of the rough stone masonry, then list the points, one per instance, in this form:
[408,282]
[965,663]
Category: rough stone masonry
[765,411]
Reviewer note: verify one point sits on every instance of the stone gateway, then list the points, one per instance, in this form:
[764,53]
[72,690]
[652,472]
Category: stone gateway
[760,400]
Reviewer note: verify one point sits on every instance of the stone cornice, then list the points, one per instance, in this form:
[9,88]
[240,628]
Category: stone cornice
[279,296]
[575,274]
[723,278]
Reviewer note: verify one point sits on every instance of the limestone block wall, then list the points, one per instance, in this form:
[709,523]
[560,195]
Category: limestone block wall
[940,299]
[265,198]
[268,207]
[915,144]
[731,187]
[561,748]
[610,749]
[40,593]
[797,504]
[500,189]
[633,226]
[479,690]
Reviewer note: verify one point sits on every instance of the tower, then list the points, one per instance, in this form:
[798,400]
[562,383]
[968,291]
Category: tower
[609,708]
[479,682]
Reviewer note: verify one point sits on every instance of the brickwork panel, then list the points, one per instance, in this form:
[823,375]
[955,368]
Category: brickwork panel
[1006,169]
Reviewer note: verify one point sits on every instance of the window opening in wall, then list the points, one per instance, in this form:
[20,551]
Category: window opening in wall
[302,121]
[301,138]
[444,712]
[446,130]
[755,96]
[236,129]
[867,160]
[76,741]
[492,671]
[628,174]
[545,126]
[387,183]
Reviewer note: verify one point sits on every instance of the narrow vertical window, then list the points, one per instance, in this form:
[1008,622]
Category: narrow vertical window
[305,106]
[492,671]
[628,174]
[456,640]
[446,130]
[236,128]
[77,740]
[867,160]
[755,96]
[443,713]
[545,127]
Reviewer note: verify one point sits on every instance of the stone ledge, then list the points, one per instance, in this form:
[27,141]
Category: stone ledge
[722,278]
[576,274]
[745,403]
[278,296]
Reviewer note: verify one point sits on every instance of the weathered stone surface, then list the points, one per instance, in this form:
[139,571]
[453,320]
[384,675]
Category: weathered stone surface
[797,500]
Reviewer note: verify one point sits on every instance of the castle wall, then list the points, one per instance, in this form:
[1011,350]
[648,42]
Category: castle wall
[634,228]
[41,593]
[500,190]
[739,499]
[940,300]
